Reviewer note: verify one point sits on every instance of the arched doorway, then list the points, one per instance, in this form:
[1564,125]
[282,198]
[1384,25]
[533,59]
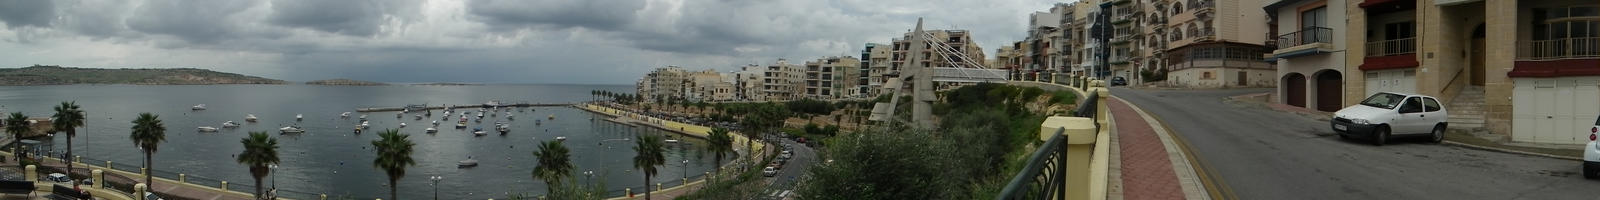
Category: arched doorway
[1330,90]
[1294,89]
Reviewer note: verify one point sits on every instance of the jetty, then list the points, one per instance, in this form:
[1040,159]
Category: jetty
[441,107]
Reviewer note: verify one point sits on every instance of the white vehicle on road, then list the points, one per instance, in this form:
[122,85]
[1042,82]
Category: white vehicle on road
[1591,153]
[1385,114]
[769,172]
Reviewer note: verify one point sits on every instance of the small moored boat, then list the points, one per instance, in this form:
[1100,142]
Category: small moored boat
[561,138]
[344,115]
[230,124]
[198,107]
[207,129]
[431,130]
[479,132]
[250,118]
[291,129]
[298,117]
[469,162]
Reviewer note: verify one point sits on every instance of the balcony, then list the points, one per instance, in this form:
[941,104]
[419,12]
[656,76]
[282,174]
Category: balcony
[1307,41]
[1392,47]
[1557,58]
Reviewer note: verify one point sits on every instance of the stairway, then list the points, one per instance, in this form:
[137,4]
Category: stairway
[1466,109]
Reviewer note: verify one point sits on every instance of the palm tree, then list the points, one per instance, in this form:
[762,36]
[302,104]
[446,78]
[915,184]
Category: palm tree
[721,144]
[394,154]
[555,164]
[649,156]
[148,133]
[16,126]
[67,119]
[260,151]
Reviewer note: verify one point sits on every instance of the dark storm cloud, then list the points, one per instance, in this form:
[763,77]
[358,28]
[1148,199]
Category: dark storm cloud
[195,21]
[94,18]
[22,13]
[591,14]
[349,17]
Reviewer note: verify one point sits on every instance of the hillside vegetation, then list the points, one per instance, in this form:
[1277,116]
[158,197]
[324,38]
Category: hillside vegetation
[56,75]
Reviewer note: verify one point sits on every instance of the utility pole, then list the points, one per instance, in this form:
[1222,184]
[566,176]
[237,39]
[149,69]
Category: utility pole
[1104,37]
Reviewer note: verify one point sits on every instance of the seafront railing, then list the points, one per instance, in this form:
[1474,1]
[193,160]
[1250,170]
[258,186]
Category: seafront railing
[1072,162]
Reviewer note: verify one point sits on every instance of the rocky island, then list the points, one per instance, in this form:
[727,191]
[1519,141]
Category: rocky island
[346,82]
[57,75]
[447,84]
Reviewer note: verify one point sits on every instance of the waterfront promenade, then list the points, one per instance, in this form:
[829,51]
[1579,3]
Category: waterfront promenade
[625,116]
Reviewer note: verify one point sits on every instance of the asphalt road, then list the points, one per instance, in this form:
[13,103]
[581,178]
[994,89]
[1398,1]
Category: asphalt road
[784,182]
[1258,153]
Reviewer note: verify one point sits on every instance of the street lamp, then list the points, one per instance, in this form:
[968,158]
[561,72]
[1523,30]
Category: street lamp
[587,175]
[435,180]
[274,171]
[685,169]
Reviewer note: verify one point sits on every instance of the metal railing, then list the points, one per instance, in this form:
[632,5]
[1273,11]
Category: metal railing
[1044,176]
[1392,47]
[1564,48]
[1308,35]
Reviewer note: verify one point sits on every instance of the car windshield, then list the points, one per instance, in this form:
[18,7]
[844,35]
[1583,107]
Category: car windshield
[1383,100]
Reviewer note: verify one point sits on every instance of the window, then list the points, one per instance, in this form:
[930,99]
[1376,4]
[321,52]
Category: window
[1206,76]
[1399,30]
[1431,105]
[1562,23]
[1412,105]
[1316,17]
[1177,8]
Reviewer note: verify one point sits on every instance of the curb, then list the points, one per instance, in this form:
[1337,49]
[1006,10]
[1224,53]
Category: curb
[1472,146]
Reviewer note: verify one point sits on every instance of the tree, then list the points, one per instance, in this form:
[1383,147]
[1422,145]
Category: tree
[16,126]
[760,119]
[649,149]
[720,144]
[67,119]
[260,151]
[394,154]
[148,134]
[555,164]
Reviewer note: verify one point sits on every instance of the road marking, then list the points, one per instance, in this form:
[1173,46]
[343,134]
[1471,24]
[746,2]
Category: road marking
[1214,185]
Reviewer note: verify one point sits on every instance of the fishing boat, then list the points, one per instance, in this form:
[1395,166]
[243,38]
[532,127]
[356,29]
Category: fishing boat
[461,125]
[230,124]
[479,132]
[503,128]
[291,129]
[207,129]
[402,124]
[250,118]
[561,138]
[363,117]
[431,130]
[198,107]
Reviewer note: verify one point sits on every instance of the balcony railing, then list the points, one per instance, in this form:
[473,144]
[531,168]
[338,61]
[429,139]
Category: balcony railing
[1309,35]
[1565,48]
[1392,47]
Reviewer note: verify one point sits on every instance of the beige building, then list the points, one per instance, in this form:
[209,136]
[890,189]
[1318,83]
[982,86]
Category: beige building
[1526,69]
[960,42]
[782,82]
[875,57]
[1214,44]
[665,83]
[748,83]
[831,77]
[1310,47]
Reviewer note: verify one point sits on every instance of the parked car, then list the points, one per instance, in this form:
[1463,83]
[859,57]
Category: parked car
[1119,81]
[1591,153]
[769,172]
[1386,114]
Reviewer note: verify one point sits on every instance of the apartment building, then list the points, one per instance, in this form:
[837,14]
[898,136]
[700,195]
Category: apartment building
[748,83]
[1309,52]
[1526,69]
[875,60]
[960,43]
[1214,44]
[782,81]
[832,78]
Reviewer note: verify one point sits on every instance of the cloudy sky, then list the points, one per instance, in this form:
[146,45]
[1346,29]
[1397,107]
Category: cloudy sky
[489,41]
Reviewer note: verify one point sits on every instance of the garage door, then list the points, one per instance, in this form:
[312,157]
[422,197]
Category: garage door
[1554,110]
[1392,80]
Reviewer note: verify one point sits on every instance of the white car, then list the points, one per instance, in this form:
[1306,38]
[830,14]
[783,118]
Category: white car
[1591,154]
[769,172]
[1385,114]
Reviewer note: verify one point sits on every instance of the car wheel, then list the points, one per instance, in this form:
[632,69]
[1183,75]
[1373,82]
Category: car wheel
[1380,135]
[1438,134]
[1590,172]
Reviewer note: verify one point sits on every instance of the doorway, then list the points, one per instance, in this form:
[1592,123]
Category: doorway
[1330,90]
[1294,86]
[1478,71]
[1244,78]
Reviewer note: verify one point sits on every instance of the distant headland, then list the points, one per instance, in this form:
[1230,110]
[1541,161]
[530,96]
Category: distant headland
[57,75]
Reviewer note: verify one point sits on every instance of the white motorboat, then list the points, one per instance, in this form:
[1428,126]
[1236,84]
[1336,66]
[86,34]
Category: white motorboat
[363,125]
[402,124]
[431,130]
[509,116]
[298,117]
[503,128]
[419,117]
[363,117]
[291,129]
[479,132]
[198,107]
[469,162]
[435,122]
[230,124]
[250,118]
[561,138]
[460,125]
[344,115]
[207,129]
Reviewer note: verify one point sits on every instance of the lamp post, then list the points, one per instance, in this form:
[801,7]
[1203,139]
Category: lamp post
[685,169]
[435,180]
[587,175]
[274,170]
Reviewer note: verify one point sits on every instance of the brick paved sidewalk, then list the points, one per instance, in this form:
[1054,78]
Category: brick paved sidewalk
[1146,168]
